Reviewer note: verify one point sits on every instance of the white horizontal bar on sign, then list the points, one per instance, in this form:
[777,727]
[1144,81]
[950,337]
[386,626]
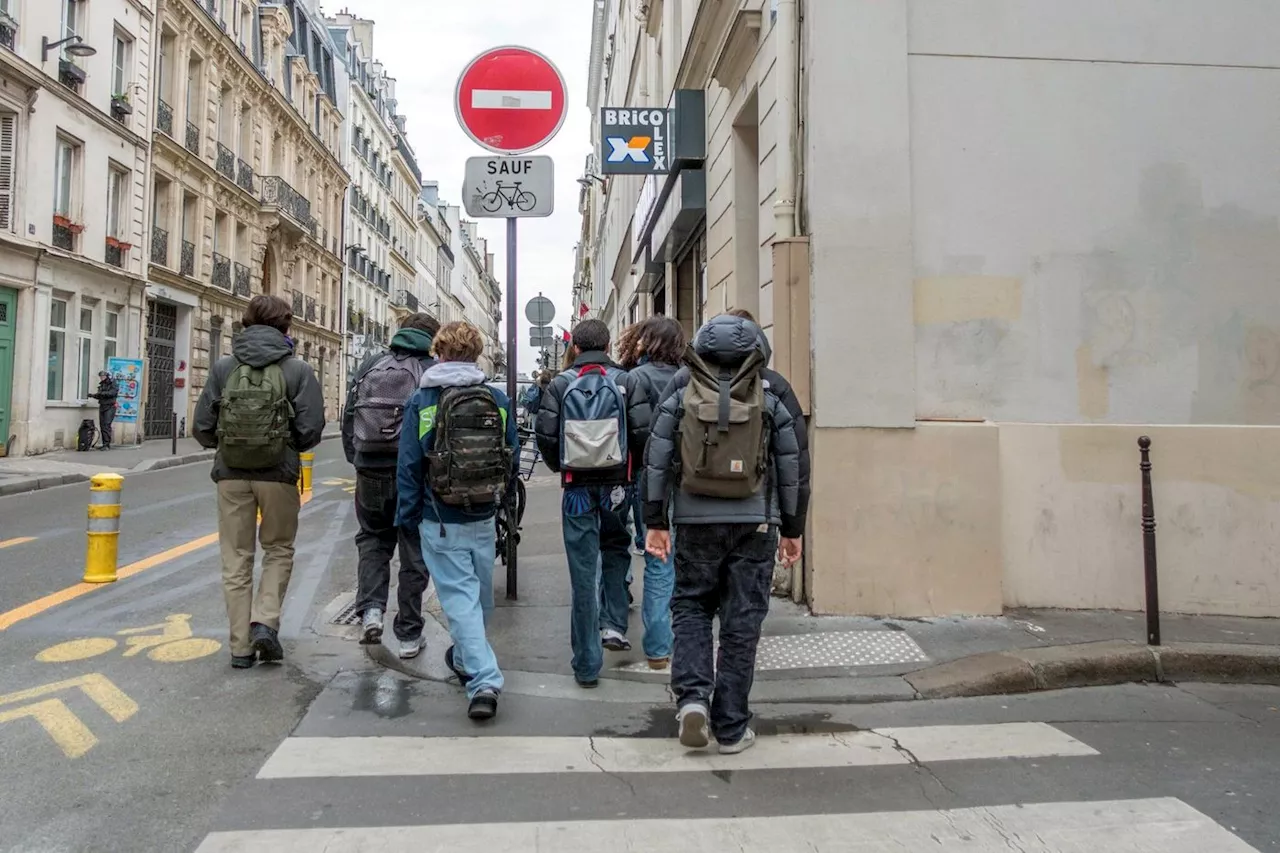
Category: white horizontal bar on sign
[1116,826]
[315,757]
[510,99]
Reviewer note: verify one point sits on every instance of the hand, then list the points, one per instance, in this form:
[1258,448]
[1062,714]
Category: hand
[658,543]
[789,550]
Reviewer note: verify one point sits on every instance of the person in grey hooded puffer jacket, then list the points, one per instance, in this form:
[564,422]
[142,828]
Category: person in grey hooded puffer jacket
[724,548]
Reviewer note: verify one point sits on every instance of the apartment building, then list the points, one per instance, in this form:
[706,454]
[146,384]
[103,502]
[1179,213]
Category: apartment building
[247,191]
[434,256]
[75,113]
[477,290]
[992,244]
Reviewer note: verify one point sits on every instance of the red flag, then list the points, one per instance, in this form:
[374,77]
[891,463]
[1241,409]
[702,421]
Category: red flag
[566,337]
[583,310]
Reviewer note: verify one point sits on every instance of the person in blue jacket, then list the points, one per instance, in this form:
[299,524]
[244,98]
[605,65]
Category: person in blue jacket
[458,541]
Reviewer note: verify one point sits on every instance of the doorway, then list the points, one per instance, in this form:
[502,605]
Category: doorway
[162,336]
[8,325]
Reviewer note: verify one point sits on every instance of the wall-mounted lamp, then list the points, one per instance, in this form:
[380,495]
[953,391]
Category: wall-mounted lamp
[586,180]
[75,47]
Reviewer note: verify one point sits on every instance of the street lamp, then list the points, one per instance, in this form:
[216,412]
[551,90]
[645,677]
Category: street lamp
[586,180]
[75,47]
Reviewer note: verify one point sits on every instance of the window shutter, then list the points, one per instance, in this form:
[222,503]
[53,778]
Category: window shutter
[8,145]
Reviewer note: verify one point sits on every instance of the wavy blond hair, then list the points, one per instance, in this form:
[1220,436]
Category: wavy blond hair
[457,341]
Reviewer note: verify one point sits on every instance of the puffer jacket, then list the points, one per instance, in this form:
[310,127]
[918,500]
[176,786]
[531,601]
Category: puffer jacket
[639,413]
[258,346]
[728,340]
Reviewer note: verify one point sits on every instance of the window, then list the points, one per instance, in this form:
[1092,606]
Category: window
[84,343]
[117,192]
[57,347]
[215,340]
[64,177]
[70,21]
[121,65]
[111,337]
[8,151]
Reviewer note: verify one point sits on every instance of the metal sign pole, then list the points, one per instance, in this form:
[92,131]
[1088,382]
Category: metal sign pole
[512,362]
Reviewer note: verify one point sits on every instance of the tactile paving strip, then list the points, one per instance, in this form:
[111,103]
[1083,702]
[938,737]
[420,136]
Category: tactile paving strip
[839,649]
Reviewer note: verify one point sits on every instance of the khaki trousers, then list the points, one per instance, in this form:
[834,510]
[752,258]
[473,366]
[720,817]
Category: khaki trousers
[238,505]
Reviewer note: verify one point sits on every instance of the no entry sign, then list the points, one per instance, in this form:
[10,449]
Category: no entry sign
[511,100]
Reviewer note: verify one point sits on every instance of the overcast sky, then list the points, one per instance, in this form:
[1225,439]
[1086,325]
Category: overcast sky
[425,45]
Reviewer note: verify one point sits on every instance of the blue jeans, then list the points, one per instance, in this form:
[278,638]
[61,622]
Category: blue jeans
[461,562]
[655,610]
[597,546]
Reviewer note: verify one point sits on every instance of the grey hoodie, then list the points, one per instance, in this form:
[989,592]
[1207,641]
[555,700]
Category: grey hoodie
[452,374]
[258,346]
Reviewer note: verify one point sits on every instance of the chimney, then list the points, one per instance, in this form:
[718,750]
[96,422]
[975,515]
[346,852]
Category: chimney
[431,193]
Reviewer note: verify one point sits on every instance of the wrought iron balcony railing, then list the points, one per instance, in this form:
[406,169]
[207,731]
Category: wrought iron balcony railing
[64,237]
[311,309]
[221,271]
[193,138]
[164,117]
[276,192]
[115,253]
[244,175]
[188,267]
[242,281]
[159,246]
[297,303]
[226,162]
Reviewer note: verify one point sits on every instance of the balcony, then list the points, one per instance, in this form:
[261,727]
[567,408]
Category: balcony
[244,175]
[222,272]
[188,267]
[164,117]
[226,164]
[405,299]
[116,251]
[276,193]
[310,316]
[193,138]
[8,31]
[297,303]
[64,233]
[242,281]
[159,246]
[71,75]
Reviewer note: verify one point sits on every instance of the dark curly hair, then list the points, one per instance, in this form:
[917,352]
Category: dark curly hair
[659,338]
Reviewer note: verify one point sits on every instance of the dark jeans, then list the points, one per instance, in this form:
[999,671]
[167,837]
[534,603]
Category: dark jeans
[724,570]
[597,546]
[377,542]
[106,417]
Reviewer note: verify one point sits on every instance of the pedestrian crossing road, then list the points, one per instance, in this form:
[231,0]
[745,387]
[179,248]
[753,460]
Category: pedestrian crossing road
[381,764]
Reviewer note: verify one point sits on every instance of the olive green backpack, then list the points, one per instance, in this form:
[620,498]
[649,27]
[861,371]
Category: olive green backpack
[253,418]
[723,440]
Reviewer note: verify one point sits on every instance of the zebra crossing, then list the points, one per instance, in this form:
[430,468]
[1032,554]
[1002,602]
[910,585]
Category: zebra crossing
[856,790]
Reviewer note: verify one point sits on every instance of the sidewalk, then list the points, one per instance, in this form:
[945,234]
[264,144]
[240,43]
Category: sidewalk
[20,474]
[803,658]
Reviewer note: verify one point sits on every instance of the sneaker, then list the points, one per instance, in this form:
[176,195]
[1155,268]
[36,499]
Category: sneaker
[243,661]
[412,648]
[266,642]
[614,641]
[371,627]
[693,726]
[659,663]
[587,683]
[484,705]
[463,678]
[747,741]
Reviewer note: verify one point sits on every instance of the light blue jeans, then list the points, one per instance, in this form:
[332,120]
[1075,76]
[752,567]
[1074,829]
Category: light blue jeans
[655,609]
[461,562]
[597,545]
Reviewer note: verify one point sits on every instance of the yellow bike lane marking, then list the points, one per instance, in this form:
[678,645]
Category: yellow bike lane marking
[21,540]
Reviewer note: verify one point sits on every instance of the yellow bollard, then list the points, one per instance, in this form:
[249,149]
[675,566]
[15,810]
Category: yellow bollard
[308,460]
[104,528]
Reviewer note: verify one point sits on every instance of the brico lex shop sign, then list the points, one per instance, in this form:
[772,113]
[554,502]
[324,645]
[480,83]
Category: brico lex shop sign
[635,141]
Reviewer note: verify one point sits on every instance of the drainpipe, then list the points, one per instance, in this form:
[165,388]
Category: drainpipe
[787,74]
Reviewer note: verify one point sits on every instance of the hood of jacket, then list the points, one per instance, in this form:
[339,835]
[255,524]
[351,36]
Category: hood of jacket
[452,374]
[258,346]
[728,340]
[412,341]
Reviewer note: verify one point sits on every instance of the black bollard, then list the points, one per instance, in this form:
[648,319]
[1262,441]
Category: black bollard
[1149,545]
[174,449]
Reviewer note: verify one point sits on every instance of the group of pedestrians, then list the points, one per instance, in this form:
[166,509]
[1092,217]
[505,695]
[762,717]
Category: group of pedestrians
[697,450]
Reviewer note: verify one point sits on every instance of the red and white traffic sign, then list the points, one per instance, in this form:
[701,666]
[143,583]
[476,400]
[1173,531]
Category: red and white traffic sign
[511,100]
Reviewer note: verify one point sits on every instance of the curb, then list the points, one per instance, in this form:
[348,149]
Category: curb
[52,481]
[1096,665]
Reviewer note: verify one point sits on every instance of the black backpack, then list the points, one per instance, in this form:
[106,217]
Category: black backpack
[470,462]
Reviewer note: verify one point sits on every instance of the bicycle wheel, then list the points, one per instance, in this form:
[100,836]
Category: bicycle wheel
[77,650]
[522,498]
[526,201]
[492,202]
[181,651]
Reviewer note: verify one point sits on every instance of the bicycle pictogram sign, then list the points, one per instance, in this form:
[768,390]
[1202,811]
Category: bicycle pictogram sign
[171,642]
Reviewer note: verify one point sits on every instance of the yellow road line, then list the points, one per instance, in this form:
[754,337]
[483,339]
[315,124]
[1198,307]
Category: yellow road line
[62,596]
[21,540]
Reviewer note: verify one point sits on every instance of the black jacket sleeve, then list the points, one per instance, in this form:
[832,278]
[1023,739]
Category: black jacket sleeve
[791,403]
[308,409]
[639,416]
[547,425]
[204,424]
[789,449]
[661,455]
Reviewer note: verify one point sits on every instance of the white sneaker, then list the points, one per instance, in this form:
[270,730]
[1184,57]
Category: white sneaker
[614,641]
[412,648]
[693,726]
[371,627]
[748,740]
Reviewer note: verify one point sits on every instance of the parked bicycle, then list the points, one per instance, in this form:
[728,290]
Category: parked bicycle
[513,505]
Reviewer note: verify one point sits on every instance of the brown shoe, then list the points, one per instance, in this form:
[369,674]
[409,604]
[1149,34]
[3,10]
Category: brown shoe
[659,663]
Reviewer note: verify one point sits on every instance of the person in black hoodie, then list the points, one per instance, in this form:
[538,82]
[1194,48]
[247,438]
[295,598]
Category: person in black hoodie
[271,489]
[106,396]
[375,465]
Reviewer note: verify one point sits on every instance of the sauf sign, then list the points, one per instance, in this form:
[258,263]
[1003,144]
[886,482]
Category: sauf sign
[635,142]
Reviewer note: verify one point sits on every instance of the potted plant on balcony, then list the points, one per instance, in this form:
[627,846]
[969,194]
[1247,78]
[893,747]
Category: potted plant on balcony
[64,222]
[70,74]
[117,243]
[120,106]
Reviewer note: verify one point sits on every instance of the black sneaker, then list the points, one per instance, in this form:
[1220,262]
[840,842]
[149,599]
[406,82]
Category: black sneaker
[587,683]
[463,678]
[483,706]
[243,661]
[266,642]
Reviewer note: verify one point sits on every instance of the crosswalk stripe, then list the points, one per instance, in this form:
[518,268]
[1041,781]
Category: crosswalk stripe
[1117,826]
[313,757]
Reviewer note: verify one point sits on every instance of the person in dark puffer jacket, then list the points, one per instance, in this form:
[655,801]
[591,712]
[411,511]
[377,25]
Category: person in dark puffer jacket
[724,550]
[653,358]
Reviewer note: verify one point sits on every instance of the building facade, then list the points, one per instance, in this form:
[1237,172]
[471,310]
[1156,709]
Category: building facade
[74,149]
[991,248]
[433,256]
[246,192]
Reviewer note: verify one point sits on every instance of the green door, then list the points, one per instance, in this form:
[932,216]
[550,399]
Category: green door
[8,322]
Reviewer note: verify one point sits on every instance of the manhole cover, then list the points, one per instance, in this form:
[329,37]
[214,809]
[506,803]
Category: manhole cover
[346,616]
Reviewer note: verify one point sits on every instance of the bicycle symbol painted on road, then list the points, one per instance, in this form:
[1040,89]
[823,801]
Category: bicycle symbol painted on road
[173,644]
[510,195]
